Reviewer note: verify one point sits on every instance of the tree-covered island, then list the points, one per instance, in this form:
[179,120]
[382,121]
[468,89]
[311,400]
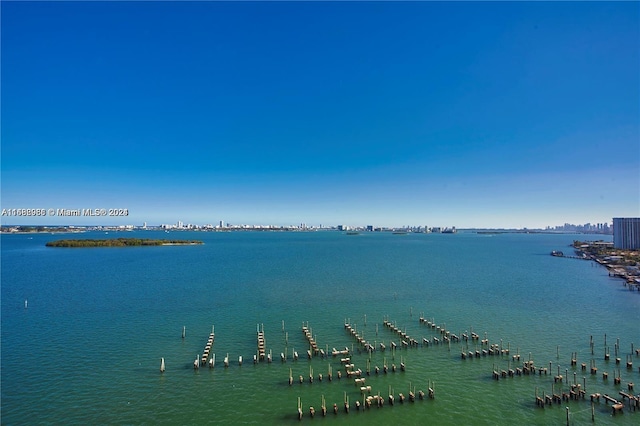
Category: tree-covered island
[119,242]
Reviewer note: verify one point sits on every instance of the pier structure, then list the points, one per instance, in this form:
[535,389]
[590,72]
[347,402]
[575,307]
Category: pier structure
[335,352]
[207,347]
[406,339]
[446,336]
[261,343]
[359,338]
[563,389]
[577,391]
[314,350]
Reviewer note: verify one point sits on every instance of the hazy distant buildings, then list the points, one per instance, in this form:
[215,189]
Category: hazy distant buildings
[587,228]
[626,233]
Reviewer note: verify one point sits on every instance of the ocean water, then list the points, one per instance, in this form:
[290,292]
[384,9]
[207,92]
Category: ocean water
[87,348]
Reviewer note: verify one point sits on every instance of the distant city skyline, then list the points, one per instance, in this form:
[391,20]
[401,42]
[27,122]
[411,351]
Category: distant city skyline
[600,227]
[467,114]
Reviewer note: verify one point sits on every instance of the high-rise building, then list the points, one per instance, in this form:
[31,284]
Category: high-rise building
[626,233]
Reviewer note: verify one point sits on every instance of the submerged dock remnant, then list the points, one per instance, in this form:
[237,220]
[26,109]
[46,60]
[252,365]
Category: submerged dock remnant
[261,342]
[207,346]
[472,346]
[314,350]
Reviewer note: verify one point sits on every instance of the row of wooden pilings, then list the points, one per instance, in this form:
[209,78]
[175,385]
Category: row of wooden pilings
[370,348]
[205,353]
[210,359]
[360,339]
[493,350]
[314,350]
[577,391]
[207,347]
[446,334]
[369,397]
[406,340]
[350,371]
[369,400]
[616,346]
[262,350]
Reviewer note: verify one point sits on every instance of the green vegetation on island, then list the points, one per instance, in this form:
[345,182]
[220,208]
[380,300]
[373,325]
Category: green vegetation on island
[119,242]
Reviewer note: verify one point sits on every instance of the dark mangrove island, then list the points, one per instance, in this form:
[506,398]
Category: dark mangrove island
[120,242]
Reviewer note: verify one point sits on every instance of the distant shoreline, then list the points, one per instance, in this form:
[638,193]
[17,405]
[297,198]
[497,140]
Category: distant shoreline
[15,230]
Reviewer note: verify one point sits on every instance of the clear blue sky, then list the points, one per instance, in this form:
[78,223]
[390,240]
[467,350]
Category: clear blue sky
[499,114]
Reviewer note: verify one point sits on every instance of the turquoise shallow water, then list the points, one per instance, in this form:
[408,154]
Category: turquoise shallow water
[88,347]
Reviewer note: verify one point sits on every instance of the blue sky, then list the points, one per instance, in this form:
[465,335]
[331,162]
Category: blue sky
[459,114]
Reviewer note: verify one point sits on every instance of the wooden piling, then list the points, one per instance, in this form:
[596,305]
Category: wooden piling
[616,379]
[539,401]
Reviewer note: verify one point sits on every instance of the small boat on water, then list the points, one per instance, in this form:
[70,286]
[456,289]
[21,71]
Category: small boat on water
[557,253]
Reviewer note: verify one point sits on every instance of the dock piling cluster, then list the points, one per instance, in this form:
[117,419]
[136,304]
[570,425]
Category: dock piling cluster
[563,389]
